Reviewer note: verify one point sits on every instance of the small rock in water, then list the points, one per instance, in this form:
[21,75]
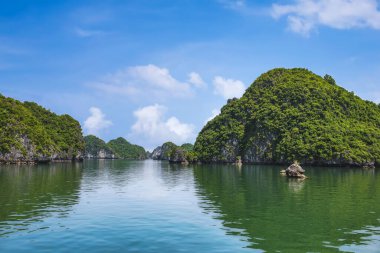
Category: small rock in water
[238,162]
[295,170]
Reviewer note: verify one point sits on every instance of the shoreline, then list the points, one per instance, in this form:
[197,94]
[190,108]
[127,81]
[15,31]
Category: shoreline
[326,165]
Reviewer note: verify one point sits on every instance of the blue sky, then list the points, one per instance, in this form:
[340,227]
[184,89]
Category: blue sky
[156,70]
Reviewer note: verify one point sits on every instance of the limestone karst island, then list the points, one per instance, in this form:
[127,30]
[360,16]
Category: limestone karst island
[190,126]
[285,115]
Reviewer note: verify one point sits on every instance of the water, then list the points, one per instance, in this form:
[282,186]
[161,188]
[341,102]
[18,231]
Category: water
[151,206]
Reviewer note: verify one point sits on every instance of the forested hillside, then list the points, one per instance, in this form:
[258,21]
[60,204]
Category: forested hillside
[29,132]
[294,114]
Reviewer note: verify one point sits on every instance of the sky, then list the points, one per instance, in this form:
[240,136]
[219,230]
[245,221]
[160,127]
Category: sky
[153,71]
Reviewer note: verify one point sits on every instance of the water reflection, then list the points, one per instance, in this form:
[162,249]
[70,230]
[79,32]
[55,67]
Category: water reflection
[274,213]
[111,173]
[369,240]
[151,206]
[296,184]
[30,193]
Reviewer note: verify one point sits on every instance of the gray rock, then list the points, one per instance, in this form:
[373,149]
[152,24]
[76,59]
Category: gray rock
[30,154]
[295,170]
[101,154]
[157,153]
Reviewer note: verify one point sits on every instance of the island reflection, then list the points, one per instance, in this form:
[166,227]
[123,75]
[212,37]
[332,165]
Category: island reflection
[330,211]
[31,193]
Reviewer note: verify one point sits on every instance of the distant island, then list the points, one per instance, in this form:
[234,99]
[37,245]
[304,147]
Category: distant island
[285,115]
[31,134]
[175,154]
[118,148]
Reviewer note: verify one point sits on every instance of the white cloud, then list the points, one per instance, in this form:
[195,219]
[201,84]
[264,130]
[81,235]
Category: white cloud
[158,77]
[305,15]
[96,121]
[214,113]
[228,88]
[196,79]
[148,81]
[152,125]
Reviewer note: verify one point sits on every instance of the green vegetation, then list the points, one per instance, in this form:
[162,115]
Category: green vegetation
[30,132]
[293,114]
[118,148]
[168,150]
[125,150]
[173,153]
[187,146]
[329,79]
[93,145]
[165,151]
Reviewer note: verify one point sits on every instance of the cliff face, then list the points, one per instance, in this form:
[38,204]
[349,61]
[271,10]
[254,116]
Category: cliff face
[173,153]
[293,114]
[103,154]
[30,133]
[156,153]
[163,152]
[96,148]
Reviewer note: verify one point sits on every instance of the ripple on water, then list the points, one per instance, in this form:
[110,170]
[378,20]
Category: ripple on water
[148,206]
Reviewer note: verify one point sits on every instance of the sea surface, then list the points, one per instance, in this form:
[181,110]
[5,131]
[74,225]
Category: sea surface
[152,206]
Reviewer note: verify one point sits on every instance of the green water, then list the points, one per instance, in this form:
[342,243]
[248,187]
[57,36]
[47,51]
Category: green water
[151,206]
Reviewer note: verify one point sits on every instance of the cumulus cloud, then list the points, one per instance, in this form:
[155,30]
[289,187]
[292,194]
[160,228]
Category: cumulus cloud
[152,125]
[305,15]
[196,79]
[148,81]
[96,121]
[214,113]
[228,88]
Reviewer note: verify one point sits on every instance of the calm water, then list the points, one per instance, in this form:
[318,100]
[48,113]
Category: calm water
[149,206]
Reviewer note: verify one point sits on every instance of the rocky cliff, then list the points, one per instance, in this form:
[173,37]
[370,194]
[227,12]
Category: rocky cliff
[294,114]
[96,148]
[163,152]
[31,133]
[173,153]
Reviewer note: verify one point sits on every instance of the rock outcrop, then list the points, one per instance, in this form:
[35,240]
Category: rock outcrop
[96,148]
[163,152]
[101,154]
[178,155]
[174,154]
[295,170]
